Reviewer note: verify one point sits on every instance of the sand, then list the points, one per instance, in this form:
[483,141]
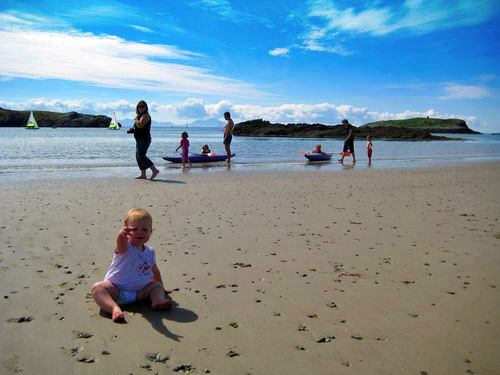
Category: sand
[353,272]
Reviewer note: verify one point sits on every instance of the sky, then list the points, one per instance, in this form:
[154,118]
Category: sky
[314,61]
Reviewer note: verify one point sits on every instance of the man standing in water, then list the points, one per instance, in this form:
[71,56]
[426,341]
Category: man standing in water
[348,142]
[228,135]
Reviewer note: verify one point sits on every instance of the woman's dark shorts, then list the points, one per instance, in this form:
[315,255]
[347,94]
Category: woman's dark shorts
[349,146]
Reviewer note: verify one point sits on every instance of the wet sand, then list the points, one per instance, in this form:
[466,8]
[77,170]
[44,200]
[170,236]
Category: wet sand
[352,272]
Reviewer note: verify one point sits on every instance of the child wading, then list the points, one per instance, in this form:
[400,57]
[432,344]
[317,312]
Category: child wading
[369,148]
[184,145]
[133,274]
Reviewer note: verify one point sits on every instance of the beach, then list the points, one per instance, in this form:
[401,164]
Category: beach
[381,271]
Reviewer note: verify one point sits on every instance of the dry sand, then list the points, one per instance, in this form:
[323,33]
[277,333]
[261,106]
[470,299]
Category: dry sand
[396,270]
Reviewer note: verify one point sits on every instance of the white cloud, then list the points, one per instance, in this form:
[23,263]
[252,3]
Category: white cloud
[109,61]
[488,77]
[279,52]
[455,91]
[314,45]
[142,28]
[325,20]
[416,16]
[82,106]
[226,11]
[193,109]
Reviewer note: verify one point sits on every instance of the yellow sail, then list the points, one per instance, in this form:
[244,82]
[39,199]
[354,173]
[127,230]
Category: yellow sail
[31,122]
[114,124]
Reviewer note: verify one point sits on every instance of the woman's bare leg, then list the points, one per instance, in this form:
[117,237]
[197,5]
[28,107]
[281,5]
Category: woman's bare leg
[155,171]
[142,176]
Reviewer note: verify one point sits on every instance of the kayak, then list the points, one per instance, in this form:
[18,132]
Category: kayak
[198,158]
[318,157]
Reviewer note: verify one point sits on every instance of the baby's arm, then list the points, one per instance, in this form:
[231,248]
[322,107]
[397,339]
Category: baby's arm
[157,277]
[178,148]
[122,240]
[156,274]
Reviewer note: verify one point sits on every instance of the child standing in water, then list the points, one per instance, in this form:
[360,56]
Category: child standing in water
[184,145]
[133,274]
[369,148]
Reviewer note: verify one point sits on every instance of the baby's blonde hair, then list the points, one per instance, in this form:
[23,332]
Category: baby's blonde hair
[139,214]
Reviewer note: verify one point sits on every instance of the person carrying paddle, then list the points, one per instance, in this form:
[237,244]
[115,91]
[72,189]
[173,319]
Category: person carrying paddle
[348,141]
[228,135]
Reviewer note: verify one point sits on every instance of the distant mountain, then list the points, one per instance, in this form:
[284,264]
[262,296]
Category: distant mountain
[128,123]
[206,123]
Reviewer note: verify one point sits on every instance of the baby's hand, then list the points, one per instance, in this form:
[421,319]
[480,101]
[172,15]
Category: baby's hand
[125,232]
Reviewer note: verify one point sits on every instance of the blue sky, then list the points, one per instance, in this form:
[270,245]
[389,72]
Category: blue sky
[284,61]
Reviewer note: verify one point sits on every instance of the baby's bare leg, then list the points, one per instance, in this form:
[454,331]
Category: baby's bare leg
[103,293]
[156,293]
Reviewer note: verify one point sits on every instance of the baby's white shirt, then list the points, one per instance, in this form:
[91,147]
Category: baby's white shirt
[132,270]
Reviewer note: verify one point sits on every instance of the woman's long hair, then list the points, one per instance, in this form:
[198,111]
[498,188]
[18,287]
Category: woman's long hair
[142,102]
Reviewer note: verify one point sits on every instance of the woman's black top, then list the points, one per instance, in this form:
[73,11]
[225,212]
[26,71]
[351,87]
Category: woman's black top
[144,132]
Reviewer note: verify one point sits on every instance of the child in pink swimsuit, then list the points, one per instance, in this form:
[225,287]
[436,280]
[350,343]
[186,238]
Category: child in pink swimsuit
[184,145]
[369,148]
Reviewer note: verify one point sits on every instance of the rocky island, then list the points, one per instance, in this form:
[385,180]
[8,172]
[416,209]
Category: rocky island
[386,131]
[47,119]
[432,125]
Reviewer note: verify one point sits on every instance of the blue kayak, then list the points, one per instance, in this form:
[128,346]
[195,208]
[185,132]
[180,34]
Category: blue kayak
[318,157]
[198,158]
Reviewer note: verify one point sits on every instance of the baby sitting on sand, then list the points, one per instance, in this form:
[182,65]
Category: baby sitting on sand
[133,274]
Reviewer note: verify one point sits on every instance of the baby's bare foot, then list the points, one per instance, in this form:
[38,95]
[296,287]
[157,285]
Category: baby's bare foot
[164,305]
[117,314]
[141,178]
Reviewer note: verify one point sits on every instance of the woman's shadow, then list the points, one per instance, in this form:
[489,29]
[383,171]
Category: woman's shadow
[156,317]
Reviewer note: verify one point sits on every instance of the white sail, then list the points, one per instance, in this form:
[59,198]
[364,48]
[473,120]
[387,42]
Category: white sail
[31,122]
[114,123]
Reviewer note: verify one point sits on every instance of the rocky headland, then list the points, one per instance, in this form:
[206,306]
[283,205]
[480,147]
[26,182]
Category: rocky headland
[47,119]
[262,128]
[432,125]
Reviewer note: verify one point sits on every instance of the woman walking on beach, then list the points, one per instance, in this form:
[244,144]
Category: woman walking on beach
[142,135]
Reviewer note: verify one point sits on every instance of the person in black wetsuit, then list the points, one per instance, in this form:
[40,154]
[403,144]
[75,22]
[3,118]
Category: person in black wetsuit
[348,142]
[142,135]
[228,135]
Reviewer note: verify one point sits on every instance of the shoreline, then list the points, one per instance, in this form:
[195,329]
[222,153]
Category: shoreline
[68,173]
[381,271]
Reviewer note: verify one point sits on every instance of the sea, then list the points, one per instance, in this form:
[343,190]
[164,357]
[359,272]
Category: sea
[74,153]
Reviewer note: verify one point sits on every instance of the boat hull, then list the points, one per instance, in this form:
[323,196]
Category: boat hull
[197,158]
[318,157]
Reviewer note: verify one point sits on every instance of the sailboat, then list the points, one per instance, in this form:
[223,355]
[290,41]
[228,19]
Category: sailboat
[114,124]
[31,122]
